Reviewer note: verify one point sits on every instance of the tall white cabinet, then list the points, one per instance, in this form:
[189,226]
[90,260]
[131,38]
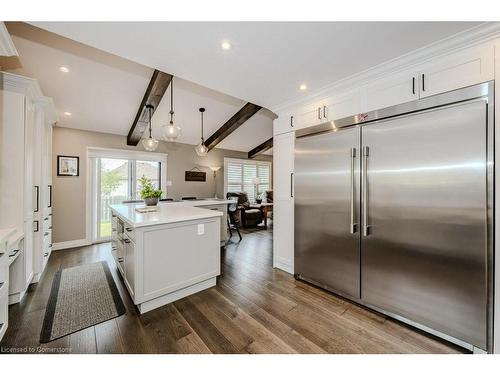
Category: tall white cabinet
[25,175]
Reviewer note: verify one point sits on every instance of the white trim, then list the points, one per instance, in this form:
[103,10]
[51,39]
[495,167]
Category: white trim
[117,153]
[496,256]
[69,244]
[283,264]
[7,46]
[486,32]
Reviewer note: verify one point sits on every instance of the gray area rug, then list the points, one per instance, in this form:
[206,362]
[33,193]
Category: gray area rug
[81,297]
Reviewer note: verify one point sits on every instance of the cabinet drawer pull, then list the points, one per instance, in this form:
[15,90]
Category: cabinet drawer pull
[120,260]
[45,218]
[13,254]
[50,245]
[413,85]
[36,226]
[291,121]
[423,82]
[45,254]
[129,229]
[126,240]
[46,234]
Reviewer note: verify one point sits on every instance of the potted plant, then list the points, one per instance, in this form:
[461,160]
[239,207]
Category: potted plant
[148,192]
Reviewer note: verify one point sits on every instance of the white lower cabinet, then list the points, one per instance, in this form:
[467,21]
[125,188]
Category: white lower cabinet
[283,210]
[129,264]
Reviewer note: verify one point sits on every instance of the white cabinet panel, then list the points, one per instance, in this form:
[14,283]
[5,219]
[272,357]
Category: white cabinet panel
[283,232]
[130,264]
[284,123]
[342,105]
[283,149]
[392,90]
[461,69]
[311,115]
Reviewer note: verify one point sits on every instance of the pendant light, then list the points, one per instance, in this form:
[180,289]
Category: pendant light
[201,149]
[171,131]
[150,144]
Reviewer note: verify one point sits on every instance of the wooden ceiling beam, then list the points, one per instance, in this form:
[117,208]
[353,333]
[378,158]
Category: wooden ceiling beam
[263,147]
[247,111]
[156,89]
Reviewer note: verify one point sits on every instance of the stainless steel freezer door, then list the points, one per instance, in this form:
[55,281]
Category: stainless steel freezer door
[425,255]
[326,193]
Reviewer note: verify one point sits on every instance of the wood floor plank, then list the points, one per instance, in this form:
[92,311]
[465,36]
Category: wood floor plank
[83,342]
[210,335]
[108,338]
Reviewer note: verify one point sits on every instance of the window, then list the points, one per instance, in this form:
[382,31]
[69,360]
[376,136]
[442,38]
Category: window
[240,175]
[115,178]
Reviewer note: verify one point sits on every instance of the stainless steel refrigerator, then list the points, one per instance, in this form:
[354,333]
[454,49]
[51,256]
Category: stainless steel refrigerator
[394,210]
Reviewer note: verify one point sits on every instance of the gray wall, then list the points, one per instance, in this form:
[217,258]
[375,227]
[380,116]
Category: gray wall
[69,207]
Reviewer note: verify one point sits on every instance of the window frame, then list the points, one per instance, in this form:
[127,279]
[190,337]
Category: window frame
[243,162]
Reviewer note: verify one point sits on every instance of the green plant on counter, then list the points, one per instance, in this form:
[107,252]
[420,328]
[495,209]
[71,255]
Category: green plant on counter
[147,188]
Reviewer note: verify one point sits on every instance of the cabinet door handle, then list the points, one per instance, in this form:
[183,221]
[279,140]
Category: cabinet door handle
[366,151]
[37,188]
[291,121]
[413,85]
[46,234]
[126,240]
[291,185]
[50,196]
[423,82]
[325,113]
[36,226]
[353,225]
[128,229]
[319,113]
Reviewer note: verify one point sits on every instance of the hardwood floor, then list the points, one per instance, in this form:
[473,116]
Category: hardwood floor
[253,309]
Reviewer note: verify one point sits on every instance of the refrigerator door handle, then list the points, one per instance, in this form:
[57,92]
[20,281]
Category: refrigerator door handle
[353,227]
[366,151]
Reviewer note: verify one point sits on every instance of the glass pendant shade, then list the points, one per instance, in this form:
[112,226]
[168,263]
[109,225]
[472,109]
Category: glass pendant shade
[170,132]
[201,149]
[150,144]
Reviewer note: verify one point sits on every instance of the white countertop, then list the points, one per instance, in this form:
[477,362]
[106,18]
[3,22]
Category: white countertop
[166,214]
[199,202]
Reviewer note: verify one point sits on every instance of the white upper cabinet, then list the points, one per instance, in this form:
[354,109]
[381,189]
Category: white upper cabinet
[342,105]
[310,115]
[284,123]
[395,89]
[457,70]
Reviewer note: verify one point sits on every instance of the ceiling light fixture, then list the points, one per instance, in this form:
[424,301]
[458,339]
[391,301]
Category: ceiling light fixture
[201,149]
[225,45]
[303,87]
[171,132]
[64,69]
[67,114]
[150,144]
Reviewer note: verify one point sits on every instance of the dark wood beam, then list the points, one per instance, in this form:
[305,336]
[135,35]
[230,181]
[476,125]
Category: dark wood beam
[263,147]
[156,88]
[247,111]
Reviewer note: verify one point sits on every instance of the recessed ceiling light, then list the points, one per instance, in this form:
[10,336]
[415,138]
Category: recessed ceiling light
[303,87]
[225,45]
[67,113]
[64,69]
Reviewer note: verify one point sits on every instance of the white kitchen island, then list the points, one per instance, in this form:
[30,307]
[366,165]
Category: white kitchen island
[168,254]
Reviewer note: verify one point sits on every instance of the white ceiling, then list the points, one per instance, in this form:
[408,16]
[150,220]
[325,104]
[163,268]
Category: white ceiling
[103,91]
[268,60]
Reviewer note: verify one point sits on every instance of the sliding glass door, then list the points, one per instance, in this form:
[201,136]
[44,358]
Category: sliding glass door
[113,187]
[114,181]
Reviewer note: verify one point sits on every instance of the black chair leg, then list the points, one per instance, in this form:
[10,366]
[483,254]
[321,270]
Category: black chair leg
[229,227]
[238,230]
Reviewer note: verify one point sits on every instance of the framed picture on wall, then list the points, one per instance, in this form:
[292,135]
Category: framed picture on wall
[68,165]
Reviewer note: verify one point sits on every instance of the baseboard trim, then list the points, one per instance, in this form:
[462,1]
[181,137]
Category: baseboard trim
[69,244]
[284,265]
